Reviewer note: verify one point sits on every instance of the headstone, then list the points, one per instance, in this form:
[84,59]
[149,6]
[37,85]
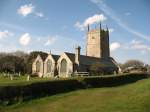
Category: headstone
[19,74]
[11,77]
[28,77]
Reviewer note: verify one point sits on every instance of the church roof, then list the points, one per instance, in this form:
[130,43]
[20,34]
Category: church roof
[43,56]
[87,60]
[56,57]
[71,56]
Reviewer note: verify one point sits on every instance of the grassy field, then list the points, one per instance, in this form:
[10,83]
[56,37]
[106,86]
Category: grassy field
[133,97]
[20,80]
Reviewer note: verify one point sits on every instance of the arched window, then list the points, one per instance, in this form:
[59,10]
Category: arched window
[63,67]
[49,66]
[38,66]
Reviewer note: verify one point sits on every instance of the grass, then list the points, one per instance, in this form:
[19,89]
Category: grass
[22,80]
[133,97]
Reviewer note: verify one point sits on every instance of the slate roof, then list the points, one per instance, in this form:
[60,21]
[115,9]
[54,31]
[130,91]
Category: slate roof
[87,60]
[56,57]
[43,56]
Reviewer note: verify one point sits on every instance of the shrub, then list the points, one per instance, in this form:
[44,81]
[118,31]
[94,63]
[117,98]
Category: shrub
[15,93]
[132,63]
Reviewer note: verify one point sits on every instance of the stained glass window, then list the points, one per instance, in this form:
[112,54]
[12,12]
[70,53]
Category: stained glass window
[63,66]
[38,66]
[49,66]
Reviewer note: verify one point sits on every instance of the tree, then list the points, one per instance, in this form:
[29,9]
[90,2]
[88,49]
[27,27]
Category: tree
[2,54]
[12,64]
[19,61]
[20,54]
[13,61]
[148,68]
[132,63]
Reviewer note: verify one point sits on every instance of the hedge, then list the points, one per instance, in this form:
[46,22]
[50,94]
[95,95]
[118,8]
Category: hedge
[18,93]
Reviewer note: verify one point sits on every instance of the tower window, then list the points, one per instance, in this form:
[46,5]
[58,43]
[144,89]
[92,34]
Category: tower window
[93,37]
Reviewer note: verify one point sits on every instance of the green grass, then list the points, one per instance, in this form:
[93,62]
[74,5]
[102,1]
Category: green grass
[22,80]
[133,97]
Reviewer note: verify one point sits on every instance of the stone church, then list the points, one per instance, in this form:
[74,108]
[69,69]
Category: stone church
[69,64]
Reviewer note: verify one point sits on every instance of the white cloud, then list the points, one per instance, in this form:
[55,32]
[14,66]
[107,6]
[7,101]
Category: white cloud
[6,48]
[29,9]
[5,33]
[50,41]
[39,14]
[139,45]
[38,39]
[25,39]
[114,46]
[79,25]
[94,19]
[135,42]
[26,9]
[90,20]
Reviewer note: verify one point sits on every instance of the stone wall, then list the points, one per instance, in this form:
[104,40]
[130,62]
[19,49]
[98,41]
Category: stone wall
[34,71]
[69,70]
[53,66]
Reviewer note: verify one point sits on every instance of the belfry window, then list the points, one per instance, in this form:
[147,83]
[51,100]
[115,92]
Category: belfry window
[93,37]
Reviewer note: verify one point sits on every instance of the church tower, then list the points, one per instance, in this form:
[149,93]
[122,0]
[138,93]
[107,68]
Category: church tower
[98,42]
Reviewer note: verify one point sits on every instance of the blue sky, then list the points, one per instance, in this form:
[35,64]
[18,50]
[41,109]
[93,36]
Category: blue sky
[60,25]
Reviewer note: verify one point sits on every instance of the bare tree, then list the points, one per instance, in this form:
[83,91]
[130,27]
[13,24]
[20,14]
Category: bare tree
[132,63]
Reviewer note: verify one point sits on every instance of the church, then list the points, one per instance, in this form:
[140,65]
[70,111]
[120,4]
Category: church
[69,64]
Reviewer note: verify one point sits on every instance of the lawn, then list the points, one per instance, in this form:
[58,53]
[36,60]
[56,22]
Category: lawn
[22,80]
[19,80]
[133,97]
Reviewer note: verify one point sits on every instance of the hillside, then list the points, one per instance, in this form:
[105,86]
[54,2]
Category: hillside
[133,97]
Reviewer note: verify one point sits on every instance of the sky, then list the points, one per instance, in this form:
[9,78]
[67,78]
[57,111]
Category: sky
[60,25]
